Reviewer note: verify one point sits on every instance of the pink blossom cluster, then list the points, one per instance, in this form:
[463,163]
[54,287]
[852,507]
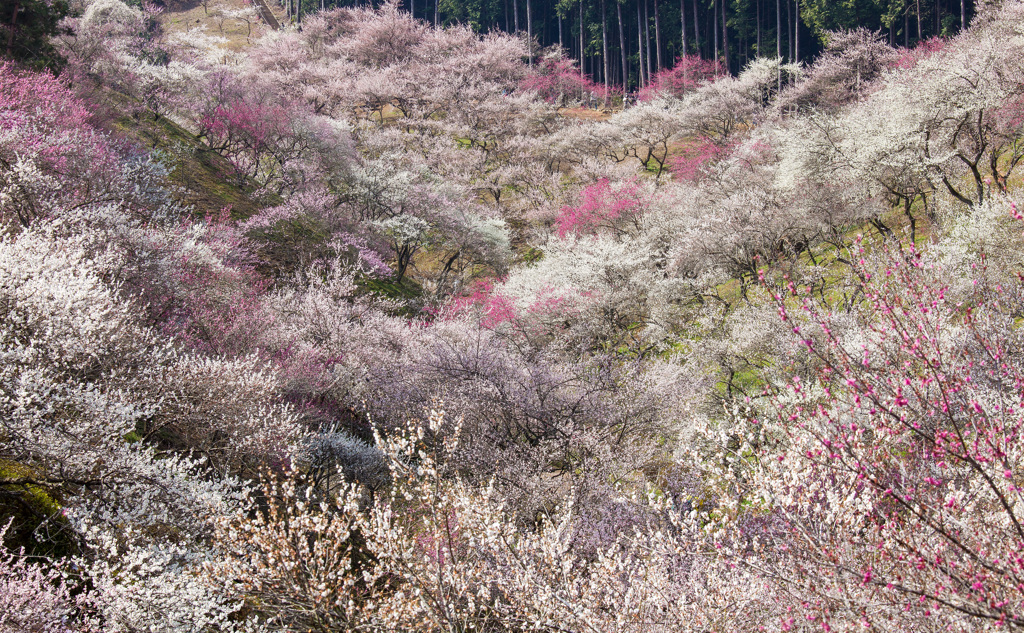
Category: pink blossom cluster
[689,73]
[602,206]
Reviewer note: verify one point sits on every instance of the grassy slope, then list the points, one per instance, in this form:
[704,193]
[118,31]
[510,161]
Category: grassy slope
[203,176]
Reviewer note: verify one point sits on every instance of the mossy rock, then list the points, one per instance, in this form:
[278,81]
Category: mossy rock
[32,510]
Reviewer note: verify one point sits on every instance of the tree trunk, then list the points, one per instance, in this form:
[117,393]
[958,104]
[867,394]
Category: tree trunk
[647,38]
[778,40]
[622,49]
[561,43]
[682,19]
[529,34]
[963,14]
[10,34]
[714,30]
[582,56]
[758,28]
[725,35]
[796,32]
[604,48]
[657,35]
[919,34]
[789,28]
[640,45]
[696,31]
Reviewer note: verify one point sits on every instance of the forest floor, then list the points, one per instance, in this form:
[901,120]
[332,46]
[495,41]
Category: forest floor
[222,18]
[587,114]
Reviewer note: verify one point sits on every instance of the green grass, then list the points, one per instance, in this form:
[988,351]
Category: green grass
[206,180]
[27,506]
[404,291]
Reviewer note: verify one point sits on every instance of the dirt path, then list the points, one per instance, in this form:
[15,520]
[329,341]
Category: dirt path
[268,16]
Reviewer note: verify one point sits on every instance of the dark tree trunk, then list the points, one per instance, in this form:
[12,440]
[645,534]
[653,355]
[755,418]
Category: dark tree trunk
[10,34]
[647,40]
[725,35]
[778,40]
[622,49]
[657,35]
[604,47]
[515,14]
[758,28]
[582,56]
[696,31]
[789,28]
[529,34]
[796,32]
[714,30]
[640,46]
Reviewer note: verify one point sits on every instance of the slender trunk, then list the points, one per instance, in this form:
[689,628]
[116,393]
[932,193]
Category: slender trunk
[789,28]
[561,43]
[437,13]
[796,32]
[640,46]
[529,34]
[919,34]
[714,29]
[963,14]
[10,34]
[515,14]
[647,40]
[604,47]
[622,49]
[657,35]
[682,18]
[937,16]
[758,28]
[906,28]
[506,15]
[696,31]
[582,56]
[778,40]
[725,35]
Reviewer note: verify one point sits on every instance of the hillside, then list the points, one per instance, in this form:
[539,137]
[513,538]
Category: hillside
[372,325]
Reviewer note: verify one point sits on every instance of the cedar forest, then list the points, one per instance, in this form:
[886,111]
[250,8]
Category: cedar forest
[476,316]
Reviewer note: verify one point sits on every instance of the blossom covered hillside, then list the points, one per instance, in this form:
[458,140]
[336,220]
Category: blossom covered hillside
[358,327]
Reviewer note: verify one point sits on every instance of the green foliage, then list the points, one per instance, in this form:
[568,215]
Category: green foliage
[30,507]
[830,15]
[481,15]
[25,30]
